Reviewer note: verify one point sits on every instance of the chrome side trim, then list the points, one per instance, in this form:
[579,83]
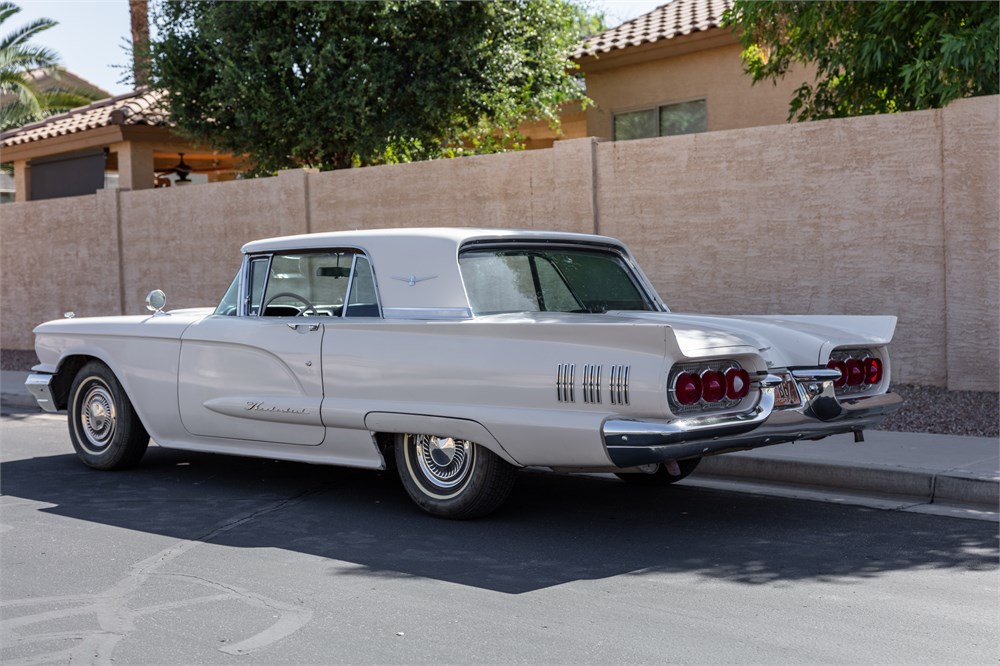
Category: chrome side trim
[40,386]
[618,387]
[565,374]
[427,313]
[592,383]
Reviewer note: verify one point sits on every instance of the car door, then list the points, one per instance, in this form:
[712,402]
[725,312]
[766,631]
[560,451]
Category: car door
[256,374]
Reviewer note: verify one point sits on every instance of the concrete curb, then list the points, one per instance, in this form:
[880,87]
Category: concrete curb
[917,485]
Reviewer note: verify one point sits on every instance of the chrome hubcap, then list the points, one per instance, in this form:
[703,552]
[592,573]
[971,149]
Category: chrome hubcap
[444,461]
[98,416]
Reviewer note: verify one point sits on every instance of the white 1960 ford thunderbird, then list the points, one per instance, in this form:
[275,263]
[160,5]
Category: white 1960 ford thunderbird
[457,355]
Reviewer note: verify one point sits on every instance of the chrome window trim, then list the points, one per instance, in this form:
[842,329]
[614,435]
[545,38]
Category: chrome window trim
[249,284]
[437,314]
[350,285]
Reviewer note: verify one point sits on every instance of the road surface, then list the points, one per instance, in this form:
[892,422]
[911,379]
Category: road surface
[196,558]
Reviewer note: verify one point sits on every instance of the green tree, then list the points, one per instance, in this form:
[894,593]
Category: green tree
[872,57]
[340,84]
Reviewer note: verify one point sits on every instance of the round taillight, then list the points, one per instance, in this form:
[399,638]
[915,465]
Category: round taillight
[737,383]
[855,372]
[713,386]
[842,367]
[687,388]
[873,370]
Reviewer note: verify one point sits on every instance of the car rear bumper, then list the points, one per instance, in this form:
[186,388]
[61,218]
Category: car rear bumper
[630,443]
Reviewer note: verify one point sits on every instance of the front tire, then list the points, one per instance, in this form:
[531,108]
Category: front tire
[452,478]
[662,476]
[103,426]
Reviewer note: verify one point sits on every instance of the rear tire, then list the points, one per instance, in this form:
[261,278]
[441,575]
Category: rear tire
[103,426]
[452,478]
[661,477]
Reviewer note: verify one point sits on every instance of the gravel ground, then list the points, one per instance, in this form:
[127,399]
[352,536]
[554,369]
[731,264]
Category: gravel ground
[927,408]
[938,410]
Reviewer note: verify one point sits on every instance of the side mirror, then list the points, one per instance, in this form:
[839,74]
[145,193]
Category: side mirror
[155,300]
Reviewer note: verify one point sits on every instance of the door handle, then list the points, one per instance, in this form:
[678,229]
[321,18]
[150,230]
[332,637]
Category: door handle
[309,327]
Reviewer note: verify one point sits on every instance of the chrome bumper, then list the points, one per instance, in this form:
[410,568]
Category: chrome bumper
[40,386]
[630,443]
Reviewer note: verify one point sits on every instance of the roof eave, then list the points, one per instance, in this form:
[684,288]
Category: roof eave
[701,40]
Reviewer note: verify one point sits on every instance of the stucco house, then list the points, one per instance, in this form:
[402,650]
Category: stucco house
[126,142]
[674,70]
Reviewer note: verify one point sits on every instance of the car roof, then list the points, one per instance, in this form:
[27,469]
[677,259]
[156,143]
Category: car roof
[418,268]
[446,235]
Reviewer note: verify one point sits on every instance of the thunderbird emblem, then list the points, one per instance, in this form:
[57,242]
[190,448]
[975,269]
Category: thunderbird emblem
[413,279]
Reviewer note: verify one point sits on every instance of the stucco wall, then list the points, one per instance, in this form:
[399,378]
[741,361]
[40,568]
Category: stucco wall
[837,217]
[894,214]
[539,189]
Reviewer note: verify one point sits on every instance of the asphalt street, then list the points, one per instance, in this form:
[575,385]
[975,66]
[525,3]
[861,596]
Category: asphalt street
[195,558]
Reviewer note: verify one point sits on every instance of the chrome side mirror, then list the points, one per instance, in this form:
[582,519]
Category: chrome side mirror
[155,300]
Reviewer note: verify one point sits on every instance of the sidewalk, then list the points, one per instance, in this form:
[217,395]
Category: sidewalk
[911,468]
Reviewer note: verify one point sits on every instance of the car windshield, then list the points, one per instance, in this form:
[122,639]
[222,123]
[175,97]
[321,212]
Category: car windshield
[549,279]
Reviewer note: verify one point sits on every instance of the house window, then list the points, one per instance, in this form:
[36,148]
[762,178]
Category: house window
[666,120]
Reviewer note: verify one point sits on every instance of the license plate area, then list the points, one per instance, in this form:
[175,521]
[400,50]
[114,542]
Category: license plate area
[786,394]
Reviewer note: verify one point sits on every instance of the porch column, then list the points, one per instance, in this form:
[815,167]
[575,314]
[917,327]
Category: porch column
[135,165]
[22,181]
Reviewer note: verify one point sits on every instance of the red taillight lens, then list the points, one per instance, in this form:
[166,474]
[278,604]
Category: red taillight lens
[855,372]
[737,383]
[842,367]
[713,386]
[873,370]
[687,388]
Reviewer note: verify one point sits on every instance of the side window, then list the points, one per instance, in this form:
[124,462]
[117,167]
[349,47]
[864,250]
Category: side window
[363,301]
[258,278]
[307,284]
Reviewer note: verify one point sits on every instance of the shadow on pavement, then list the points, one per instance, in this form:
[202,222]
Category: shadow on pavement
[554,530]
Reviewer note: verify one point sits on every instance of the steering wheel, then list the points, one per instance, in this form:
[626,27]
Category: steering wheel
[288,294]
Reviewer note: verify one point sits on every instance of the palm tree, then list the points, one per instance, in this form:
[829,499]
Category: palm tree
[20,99]
[139,13]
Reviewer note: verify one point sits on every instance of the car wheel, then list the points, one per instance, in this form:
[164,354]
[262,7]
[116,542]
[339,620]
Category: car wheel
[452,478]
[103,425]
[662,475]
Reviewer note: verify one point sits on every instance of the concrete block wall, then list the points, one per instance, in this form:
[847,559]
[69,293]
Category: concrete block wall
[894,214]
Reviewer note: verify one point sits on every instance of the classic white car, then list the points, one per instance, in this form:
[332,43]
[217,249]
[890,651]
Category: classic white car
[457,355]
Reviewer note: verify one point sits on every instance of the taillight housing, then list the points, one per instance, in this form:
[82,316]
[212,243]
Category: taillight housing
[860,370]
[687,388]
[712,385]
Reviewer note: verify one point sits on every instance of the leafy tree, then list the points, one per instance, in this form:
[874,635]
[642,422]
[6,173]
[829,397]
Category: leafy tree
[23,102]
[341,84]
[872,57]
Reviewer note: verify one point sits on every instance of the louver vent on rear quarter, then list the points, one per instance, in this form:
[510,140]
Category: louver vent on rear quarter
[591,385]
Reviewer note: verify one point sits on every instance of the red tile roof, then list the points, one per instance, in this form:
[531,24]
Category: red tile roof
[679,17]
[141,107]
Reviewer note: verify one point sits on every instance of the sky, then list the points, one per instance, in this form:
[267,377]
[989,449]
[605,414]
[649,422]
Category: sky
[92,35]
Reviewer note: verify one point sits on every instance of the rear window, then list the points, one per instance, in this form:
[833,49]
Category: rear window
[549,279]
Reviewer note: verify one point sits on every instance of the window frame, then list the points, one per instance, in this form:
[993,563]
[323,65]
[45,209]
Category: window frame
[657,108]
[243,302]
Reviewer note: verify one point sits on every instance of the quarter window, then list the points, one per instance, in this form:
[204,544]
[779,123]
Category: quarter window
[667,120]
